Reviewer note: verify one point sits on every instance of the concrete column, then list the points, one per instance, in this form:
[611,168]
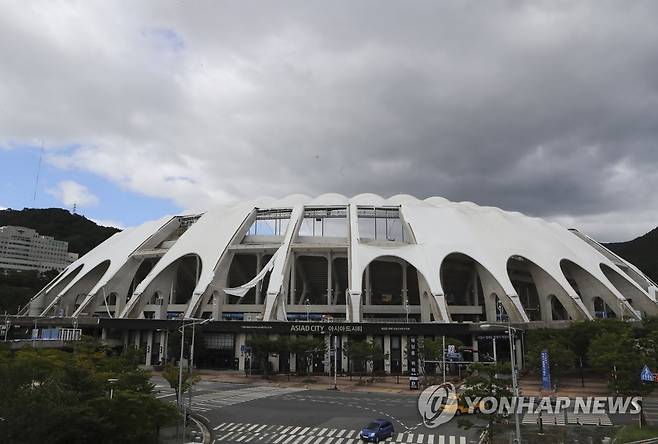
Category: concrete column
[162,353]
[240,340]
[149,347]
[293,362]
[104,334]
[476,355]
[275,361]
[403,353]
[387,354]
[343,346]
[137,338]
[405,296]
[293,278]
[354,307]
[259,265]
[369,365]
[368,287]
[329,278]
[126,338]
[216,304]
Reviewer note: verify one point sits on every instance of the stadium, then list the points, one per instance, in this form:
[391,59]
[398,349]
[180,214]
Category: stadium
[333,265]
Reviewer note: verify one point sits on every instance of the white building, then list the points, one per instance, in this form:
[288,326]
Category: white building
[360,259]
[24,249]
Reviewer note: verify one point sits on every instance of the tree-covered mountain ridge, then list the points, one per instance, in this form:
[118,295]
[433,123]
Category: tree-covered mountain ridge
[641,252]
[81,233]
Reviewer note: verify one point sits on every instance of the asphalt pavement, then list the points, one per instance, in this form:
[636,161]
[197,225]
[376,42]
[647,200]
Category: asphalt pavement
[244,413]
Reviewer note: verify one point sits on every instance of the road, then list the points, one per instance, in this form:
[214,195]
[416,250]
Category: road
[241,413]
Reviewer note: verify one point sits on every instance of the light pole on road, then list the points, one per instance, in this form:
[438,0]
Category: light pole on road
[181,404]
[515,386]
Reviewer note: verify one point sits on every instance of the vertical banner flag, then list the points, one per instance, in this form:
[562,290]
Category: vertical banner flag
[545,371]
[413,363]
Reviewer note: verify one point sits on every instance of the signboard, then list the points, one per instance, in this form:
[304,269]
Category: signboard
[245,349]
[545,371]
[413,363]
[647,375]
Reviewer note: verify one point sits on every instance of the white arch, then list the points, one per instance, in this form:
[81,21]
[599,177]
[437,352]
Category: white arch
[208,238]
[548,285]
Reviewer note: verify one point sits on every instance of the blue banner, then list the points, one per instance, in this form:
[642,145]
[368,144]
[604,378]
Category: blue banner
[545,371]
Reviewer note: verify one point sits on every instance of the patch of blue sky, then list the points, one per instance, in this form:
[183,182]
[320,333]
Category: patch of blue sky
[166,38]
[18,168]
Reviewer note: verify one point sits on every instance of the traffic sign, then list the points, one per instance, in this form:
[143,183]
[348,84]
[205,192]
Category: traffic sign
[647,375]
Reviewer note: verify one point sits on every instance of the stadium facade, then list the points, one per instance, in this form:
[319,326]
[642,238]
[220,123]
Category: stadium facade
[345,263]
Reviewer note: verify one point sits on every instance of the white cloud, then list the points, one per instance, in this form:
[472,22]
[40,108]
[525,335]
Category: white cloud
[72,193]
[512,104]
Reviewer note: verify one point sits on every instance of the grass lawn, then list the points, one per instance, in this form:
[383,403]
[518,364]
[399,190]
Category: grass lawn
[633,433]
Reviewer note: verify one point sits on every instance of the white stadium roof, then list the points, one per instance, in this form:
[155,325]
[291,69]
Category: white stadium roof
[433,229]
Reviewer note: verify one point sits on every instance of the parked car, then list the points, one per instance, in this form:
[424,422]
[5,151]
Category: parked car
[377,430]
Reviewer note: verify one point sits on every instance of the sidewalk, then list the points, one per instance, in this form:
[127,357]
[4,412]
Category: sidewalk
[570,386]
[381,384]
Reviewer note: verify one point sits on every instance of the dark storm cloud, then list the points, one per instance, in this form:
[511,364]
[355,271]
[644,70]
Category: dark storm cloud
[548,108]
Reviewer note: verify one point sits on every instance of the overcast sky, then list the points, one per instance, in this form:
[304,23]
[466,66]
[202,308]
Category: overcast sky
[146,108]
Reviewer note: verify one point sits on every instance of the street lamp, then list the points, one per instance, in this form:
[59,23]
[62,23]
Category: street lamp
[112,381]
[7,325]
[181,404]
[406,309]
[515,387]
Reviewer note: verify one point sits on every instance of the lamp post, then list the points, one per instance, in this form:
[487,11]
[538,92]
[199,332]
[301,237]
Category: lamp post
[34,334]
[112,381]
[181,404]
[515,387]
[191,363]
[7,325]
[307,304]
[406,309]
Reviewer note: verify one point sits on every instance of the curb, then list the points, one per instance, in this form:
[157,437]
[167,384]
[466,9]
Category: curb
[204,425]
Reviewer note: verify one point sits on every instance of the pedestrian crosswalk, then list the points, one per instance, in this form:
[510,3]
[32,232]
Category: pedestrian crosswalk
[547,418]
[280,434]
[216,400]
[599,419]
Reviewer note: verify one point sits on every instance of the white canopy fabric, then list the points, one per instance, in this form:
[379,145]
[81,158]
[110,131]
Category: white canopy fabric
[244,288]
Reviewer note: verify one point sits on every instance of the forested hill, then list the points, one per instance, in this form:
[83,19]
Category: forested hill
[81,233]
[641,252]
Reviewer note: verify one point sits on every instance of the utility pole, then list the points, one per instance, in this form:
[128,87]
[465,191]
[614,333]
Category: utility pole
[443,357]
[335,362]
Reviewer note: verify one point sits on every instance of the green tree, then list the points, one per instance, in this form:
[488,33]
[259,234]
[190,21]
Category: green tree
[364,353]
[262,347]
[306,348]
[621,358]
[561,357]
[171,374]
[53,396]
[483,382]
